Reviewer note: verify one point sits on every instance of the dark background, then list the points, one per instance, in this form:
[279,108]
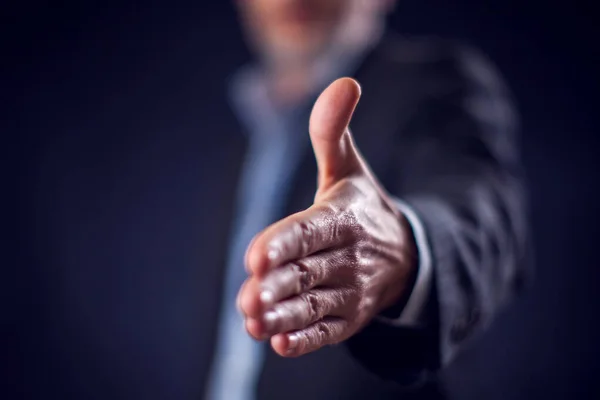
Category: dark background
[77,53]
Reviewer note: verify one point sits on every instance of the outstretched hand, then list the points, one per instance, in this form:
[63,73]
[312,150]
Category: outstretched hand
[318,276]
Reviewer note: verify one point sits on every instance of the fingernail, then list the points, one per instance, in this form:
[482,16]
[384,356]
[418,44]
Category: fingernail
[269,320]
[293,343]
[266,297]
[273,254]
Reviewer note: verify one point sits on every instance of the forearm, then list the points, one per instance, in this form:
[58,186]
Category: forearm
[478,248]
[475,239]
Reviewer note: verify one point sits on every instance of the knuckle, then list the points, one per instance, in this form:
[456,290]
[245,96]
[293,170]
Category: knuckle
[313,306]
[353,255]
[304,231]
[324,333]
[301,271]
[313,339]
[307,276]
[356,229]
[355,265]
[347,225]
[335,220]
[329,332]
[340,224]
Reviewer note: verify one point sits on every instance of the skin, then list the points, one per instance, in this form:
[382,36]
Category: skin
[289,31]
[318,276]
[290,37]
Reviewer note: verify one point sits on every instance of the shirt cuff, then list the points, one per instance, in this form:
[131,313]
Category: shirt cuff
[413,310]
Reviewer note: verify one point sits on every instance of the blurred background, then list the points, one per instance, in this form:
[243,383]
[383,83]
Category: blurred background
[547,344]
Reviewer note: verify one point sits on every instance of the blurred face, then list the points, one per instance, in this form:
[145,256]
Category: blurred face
[296,30]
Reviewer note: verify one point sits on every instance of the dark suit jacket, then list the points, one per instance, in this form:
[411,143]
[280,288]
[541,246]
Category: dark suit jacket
[129,214]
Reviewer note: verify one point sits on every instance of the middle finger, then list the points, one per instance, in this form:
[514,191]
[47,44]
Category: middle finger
[292,279]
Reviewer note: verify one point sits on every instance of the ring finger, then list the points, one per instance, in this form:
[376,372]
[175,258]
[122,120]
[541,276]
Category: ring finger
[292,279]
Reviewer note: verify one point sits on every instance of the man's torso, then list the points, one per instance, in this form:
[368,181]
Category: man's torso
[133,211]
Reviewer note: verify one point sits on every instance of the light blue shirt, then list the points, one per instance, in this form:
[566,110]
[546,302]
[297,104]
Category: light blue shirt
[277,140]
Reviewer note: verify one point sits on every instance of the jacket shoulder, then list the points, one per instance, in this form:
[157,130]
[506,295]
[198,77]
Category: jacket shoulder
[442,63]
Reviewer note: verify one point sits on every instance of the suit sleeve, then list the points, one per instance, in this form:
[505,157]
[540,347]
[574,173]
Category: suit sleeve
[457,167]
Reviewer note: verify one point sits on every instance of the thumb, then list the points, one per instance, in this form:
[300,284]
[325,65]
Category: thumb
[329,134]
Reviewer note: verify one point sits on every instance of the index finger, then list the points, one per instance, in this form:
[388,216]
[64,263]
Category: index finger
[295,237]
